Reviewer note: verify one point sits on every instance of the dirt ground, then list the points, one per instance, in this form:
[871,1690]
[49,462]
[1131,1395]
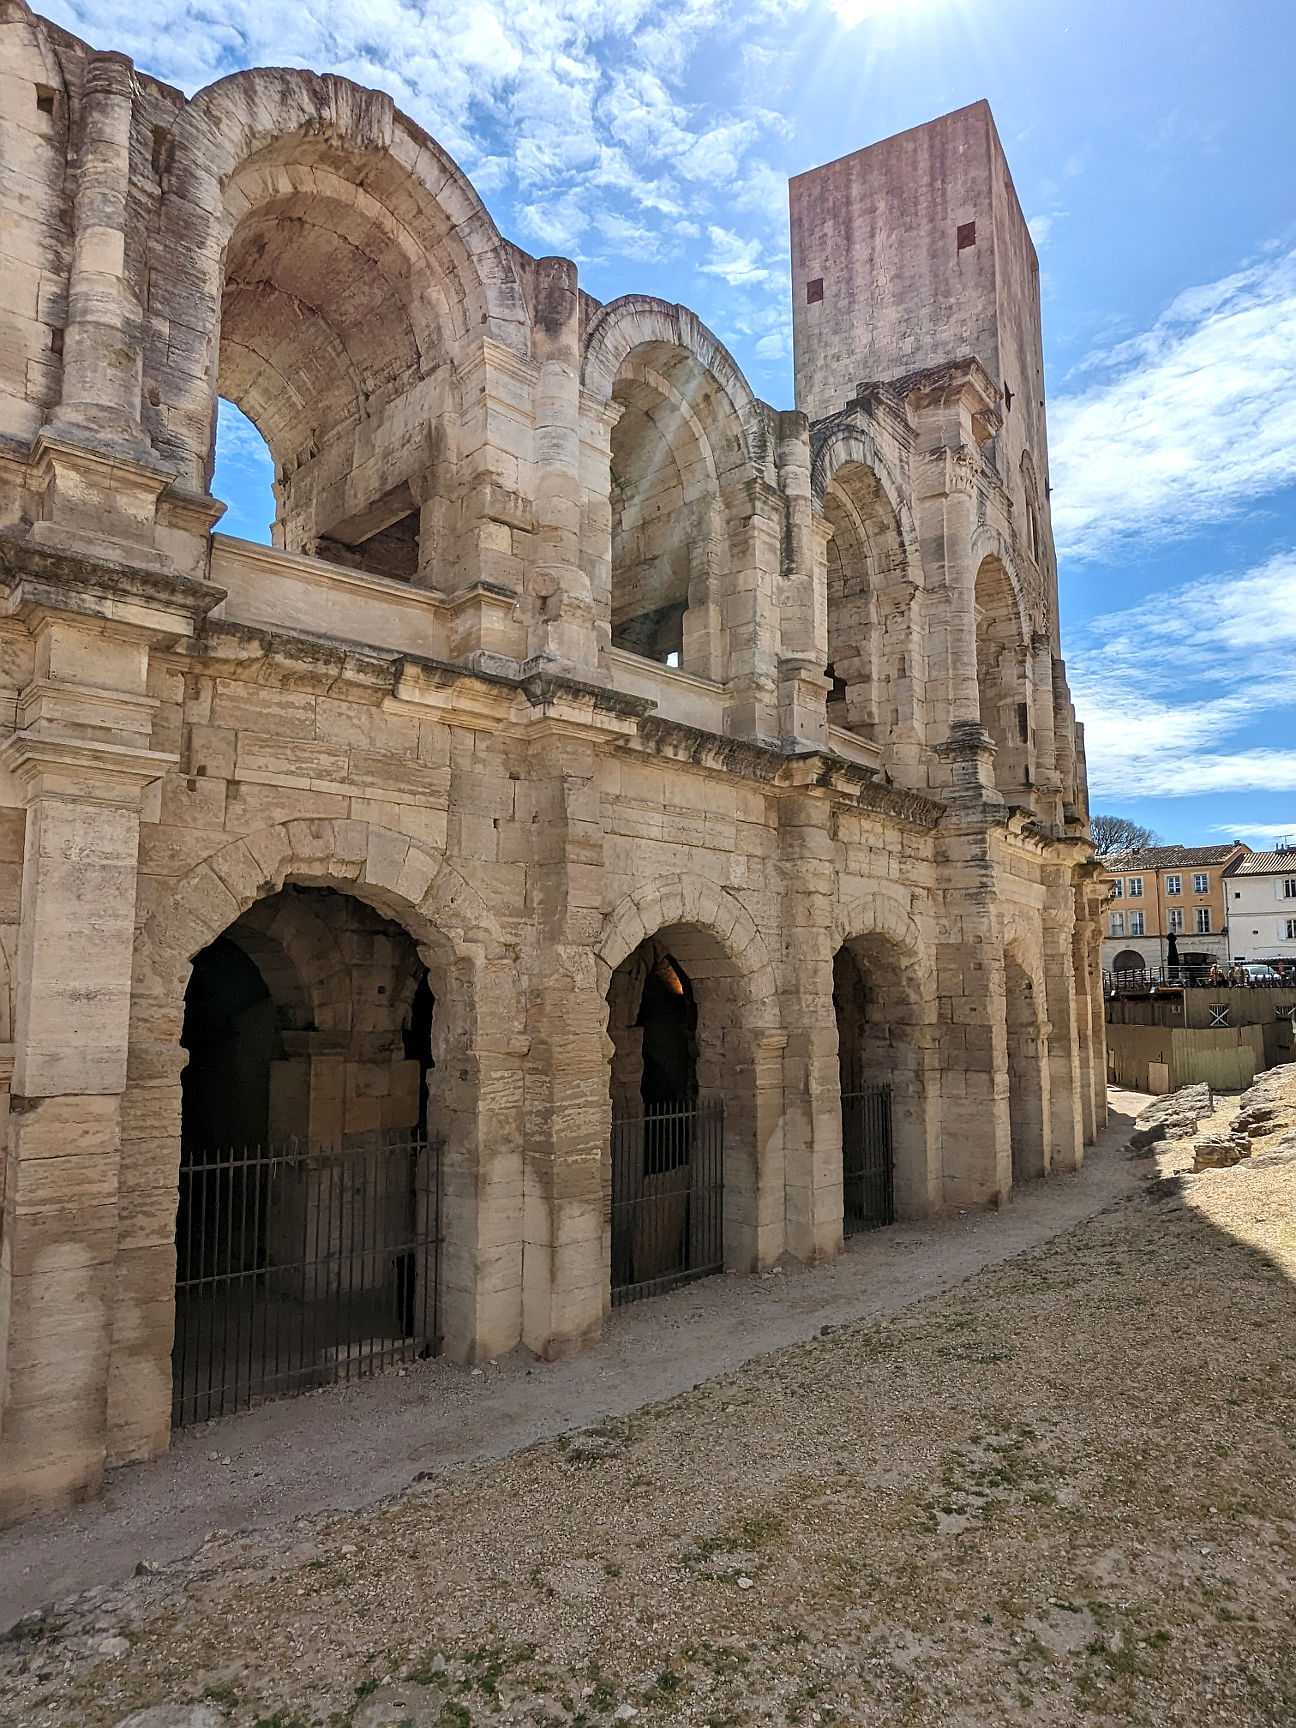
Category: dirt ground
[1060,1491]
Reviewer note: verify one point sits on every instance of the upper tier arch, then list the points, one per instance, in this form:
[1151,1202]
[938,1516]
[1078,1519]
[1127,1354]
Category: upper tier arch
[259,139]
[638,320]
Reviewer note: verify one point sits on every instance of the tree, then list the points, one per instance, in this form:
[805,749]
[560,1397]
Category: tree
[1118,834]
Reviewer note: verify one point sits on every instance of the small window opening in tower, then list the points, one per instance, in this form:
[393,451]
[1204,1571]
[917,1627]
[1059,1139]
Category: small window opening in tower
[814,291]
[44,99]
[243,476]
[966,235]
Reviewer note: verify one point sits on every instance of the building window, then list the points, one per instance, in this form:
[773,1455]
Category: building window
[1175,920]
[1135,886]
[1201,884]
[1174,884]
[1202,920]
[1136,924]
[1291,929]
[1289,888]
[1118,888]
[1118,923]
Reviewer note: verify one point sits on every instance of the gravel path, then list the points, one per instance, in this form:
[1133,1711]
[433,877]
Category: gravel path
[348,1447]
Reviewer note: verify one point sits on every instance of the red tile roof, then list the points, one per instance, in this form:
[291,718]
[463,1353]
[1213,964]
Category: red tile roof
[1167,858]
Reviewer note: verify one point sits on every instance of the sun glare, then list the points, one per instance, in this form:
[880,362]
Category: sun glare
[852,12]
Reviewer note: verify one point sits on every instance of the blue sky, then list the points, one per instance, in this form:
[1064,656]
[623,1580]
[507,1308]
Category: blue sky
[1152,143]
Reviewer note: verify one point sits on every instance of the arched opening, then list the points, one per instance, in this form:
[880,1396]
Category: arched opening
[1002,678]
[330,345]
[243,476]
[1129,960]
[1027,1098]
[307,1224]
[669,472]
[880,1066]
[868,600]
[681,1081]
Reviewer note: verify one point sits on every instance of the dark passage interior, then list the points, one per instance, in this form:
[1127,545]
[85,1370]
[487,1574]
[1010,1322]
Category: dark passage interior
[865,1069]
[666,1148]
[307,1222]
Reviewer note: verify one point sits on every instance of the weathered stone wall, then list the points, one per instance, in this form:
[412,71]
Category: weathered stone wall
[416,733]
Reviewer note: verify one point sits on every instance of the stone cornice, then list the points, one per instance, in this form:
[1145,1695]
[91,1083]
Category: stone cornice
[963,381]
[36,579]
[911,807]
[682,743]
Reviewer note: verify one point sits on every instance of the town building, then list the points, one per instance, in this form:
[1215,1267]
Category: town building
[619,830]
[1159,892]
[1261,890]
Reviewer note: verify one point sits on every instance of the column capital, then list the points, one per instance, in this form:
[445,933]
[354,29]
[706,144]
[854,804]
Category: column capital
[79,771]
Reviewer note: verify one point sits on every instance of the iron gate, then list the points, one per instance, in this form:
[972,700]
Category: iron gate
[868,1188]
[667,1198]
[296,1268]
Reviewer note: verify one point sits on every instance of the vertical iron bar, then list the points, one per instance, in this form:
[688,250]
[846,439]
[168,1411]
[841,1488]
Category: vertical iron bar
[209,1286]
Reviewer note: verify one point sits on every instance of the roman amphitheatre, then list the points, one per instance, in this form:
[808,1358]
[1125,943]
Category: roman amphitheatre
[616,862]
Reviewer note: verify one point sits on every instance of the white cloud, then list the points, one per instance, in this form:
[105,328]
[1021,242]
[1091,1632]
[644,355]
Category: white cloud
[1260,832]
[1189,422]
[735,259]
[1168,688]
[562,102]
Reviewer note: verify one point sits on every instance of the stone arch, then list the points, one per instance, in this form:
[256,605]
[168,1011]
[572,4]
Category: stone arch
[1129,960]
[1027,1032]
[989,543]
[695,902]
[298,146]
[395,874]
[896,1032]
[852,444]
[1033,520]
[739,1048]
[1004,683]
[298,955]
[685,438]
[641,320]
[458,940]
[874,646]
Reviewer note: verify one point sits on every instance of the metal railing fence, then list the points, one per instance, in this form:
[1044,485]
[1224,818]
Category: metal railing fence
[667,1198]
[868,1159]
[298,1267]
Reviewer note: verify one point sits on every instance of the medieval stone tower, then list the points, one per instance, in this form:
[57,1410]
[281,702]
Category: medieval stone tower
[618,831]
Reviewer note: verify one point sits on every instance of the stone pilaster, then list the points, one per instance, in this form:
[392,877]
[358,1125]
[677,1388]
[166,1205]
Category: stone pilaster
[1066,1133]
[81,753]
[812,1127]
[803,610]
[568,1108]
[749,615]
[58,1272]
[561,630]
